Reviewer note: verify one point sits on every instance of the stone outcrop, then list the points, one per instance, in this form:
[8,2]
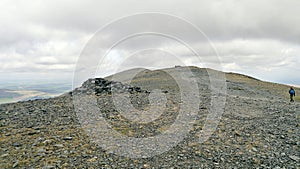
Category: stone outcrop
[100,85]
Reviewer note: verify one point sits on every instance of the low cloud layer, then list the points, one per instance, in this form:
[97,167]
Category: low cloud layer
[45,38]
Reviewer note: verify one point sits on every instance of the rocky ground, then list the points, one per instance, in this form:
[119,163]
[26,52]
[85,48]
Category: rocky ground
[259,128]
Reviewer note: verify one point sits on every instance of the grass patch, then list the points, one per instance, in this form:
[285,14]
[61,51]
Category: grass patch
[297,98]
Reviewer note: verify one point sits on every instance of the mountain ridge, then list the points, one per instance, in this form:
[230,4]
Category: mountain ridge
[258,128]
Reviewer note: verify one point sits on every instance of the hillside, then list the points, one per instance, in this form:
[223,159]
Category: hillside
[258,129]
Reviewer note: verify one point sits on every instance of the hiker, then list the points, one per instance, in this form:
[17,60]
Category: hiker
[292,94]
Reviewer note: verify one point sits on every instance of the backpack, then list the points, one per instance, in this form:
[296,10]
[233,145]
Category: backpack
[292,91]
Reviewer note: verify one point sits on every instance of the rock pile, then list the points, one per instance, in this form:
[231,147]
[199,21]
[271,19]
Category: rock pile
[98,86]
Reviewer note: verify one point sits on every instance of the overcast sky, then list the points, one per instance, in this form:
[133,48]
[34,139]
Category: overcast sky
[43,39]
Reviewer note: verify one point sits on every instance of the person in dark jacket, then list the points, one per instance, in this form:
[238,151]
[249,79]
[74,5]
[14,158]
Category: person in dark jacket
[292,94]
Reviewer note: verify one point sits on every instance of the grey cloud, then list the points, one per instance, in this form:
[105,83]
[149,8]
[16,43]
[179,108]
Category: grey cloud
[219,19]
[250,36]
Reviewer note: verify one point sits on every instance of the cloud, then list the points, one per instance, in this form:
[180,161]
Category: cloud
[260,38]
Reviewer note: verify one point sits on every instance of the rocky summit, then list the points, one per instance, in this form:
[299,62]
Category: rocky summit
[99,86]
[258,127]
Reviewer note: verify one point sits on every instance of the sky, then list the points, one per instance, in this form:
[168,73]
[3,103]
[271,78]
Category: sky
[52,39]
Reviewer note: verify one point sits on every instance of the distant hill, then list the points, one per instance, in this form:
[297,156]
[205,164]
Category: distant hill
[6,93]
[17,91]
[245,85]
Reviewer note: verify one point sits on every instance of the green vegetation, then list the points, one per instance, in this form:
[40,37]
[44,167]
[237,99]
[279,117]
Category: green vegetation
[6,100]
